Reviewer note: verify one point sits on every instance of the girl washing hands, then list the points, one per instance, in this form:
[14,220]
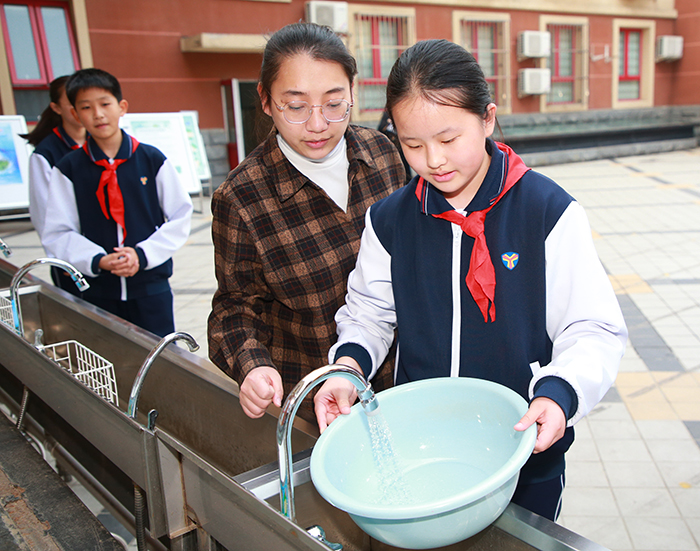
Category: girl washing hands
[486,268]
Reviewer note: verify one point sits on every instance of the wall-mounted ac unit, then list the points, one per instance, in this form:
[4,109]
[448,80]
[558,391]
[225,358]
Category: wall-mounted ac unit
[534,81]
[331,14]
[669,48]
[534,44]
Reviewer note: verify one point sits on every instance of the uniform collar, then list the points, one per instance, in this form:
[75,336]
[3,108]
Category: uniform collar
[288,180]
[64,137]
[433,202]
[96,154]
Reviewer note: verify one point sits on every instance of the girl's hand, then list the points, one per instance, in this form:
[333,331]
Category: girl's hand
[333,399]
[261,387]
[550,420]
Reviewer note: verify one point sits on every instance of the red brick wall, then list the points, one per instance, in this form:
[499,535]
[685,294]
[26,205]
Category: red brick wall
[686,79]
[139,42]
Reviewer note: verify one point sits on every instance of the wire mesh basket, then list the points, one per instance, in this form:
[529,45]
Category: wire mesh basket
[89,368]
[6,313]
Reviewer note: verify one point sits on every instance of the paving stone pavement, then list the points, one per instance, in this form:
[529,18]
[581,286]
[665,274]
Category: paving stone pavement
[633,473]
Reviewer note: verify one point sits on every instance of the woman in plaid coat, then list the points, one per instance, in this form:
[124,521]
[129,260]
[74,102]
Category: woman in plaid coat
[288,220]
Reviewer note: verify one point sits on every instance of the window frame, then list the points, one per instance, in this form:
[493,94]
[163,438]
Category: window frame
[356,11]
[40,42]
[647,65]
[503,51]
[77,17]
[624,76]
[581,73]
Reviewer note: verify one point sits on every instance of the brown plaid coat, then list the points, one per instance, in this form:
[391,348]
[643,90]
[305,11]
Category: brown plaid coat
[283,252]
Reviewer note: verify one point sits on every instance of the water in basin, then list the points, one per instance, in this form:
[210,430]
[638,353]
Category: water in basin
[451,448]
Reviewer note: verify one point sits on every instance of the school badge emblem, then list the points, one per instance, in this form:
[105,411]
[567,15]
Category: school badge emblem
[144,180]
[510,260]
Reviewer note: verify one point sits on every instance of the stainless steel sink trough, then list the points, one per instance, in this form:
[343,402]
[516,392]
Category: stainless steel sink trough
[209,473]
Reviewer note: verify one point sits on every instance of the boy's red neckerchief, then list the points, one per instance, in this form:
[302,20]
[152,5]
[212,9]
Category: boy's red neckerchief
[108,179]
[481,278]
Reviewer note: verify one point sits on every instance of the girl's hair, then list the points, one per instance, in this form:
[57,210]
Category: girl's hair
[441,72]
[318,42]
[49,119]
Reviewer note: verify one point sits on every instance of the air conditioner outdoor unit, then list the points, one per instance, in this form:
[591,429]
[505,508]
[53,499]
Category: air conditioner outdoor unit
[534,44]
[331,14]
[669,48]
[534,81]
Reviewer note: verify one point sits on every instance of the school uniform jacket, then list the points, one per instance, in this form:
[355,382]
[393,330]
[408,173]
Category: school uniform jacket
[558,330]
[157,214]
[46,154]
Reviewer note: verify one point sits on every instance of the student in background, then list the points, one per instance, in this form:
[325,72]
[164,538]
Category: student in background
[287,221]
[56,134]
[486,268]
[117,210]
[386,127]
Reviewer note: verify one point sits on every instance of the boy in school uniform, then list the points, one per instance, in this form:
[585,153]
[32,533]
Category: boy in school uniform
[117,210]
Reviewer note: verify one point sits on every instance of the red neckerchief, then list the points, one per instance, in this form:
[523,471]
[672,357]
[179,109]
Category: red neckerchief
[108,179]
[481,277]
[64,139]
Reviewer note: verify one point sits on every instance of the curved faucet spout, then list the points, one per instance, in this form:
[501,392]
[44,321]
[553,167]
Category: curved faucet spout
[289,409]
[75,275]
[132,410]
[143,371]
[5,249]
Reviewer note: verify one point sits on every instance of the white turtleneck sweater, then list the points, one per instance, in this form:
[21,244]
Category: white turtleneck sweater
[329,173]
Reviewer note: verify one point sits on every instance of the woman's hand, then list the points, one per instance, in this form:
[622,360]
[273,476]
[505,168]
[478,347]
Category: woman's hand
[550,420]
[261,387]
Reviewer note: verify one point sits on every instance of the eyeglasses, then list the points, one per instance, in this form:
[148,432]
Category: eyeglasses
[298,112]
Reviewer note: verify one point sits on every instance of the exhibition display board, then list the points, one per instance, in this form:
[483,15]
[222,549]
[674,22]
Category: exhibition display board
[180,142]
[14,163]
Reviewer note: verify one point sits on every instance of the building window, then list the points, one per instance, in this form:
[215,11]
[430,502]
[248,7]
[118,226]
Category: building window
[380,42]
[377,40]
[485,36]
[633,66]
[630,65]
[481,38]
[40,47]
[567,62]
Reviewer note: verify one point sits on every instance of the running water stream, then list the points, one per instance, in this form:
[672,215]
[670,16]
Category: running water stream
[393,489]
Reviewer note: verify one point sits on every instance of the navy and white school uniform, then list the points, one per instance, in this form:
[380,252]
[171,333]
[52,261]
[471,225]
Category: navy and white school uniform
[46,154]
[156,217]
[552,326]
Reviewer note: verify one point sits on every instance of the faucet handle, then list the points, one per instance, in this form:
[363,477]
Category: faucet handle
[317,532]
[5,249]
[39,339]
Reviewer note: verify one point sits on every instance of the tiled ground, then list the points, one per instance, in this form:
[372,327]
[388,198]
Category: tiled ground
[633,475]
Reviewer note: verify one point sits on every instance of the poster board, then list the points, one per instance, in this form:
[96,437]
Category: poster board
[167,132]
[194,136]
[14,163]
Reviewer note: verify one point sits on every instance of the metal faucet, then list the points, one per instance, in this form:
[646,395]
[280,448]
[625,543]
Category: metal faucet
[75,275]
[5,249]
[17,311]
[132,409]
[143,371]
[289,409]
